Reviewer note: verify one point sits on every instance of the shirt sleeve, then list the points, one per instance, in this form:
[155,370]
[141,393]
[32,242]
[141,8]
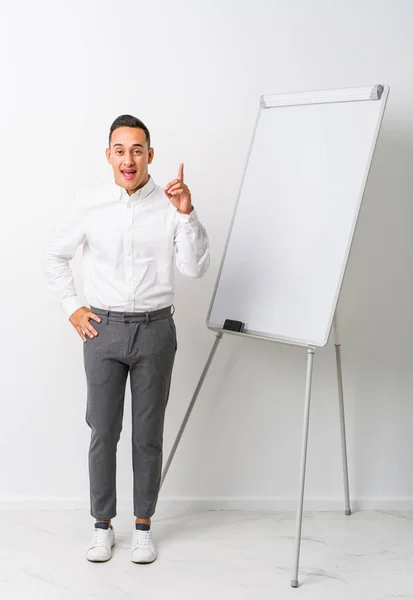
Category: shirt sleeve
[191,245]
[59,252]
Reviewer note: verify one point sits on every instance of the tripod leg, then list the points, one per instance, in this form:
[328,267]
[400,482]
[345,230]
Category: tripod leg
[310,357]
[191,406]
[337,346]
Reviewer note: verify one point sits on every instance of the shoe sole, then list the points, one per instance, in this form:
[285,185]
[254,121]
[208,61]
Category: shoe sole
[143,562]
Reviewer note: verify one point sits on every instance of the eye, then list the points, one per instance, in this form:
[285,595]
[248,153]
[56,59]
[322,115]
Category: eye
[118,152]
[138,152]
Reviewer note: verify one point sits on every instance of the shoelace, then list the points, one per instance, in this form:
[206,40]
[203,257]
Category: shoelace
[101,538]
[141,539]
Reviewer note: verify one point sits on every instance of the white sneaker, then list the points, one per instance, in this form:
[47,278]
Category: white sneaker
[143,548]
[100,549]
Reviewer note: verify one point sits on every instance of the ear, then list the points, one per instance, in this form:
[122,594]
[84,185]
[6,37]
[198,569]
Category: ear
[108,154]
[151,154]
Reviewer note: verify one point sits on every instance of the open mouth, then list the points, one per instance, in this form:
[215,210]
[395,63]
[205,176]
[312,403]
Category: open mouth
[128,173]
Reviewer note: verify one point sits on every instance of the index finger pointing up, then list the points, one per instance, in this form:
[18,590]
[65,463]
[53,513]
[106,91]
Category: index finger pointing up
[181,172]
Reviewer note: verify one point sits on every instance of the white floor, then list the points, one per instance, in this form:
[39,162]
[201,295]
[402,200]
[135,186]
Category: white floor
[210,555]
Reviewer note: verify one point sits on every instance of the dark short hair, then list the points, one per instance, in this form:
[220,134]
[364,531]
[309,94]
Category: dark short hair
[129,121]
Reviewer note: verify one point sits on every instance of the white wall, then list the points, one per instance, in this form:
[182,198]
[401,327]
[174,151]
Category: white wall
[194,71]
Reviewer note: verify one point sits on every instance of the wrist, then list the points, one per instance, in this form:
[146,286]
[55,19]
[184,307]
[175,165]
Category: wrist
[186,212]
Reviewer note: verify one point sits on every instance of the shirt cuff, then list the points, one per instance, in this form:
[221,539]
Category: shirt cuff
[70,305]
[192,218]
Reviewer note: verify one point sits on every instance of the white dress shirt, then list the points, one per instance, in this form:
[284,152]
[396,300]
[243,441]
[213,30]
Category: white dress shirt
[129,245]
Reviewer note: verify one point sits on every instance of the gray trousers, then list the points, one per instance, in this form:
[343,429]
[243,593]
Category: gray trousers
[143,345]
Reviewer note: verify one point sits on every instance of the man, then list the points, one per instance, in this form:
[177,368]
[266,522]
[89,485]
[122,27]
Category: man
[131,231]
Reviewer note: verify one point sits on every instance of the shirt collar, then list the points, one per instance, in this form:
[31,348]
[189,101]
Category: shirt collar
[142,193]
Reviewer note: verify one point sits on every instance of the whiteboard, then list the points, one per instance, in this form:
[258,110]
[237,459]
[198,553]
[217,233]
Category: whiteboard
[296,213]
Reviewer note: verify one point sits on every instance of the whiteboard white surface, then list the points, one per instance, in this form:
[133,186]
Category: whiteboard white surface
[295,217]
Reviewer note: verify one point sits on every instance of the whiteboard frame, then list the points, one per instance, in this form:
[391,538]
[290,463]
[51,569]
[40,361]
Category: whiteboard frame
[373,93]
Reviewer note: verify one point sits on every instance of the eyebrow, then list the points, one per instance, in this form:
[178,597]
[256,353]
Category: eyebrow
[133,145]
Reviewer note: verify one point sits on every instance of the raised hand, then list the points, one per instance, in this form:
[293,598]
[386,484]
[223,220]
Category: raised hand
[179,194]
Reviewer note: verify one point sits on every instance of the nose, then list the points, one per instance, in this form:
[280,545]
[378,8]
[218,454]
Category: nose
[128,160]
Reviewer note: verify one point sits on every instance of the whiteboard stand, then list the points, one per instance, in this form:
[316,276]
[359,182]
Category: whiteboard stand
[308,164]
[309,377]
